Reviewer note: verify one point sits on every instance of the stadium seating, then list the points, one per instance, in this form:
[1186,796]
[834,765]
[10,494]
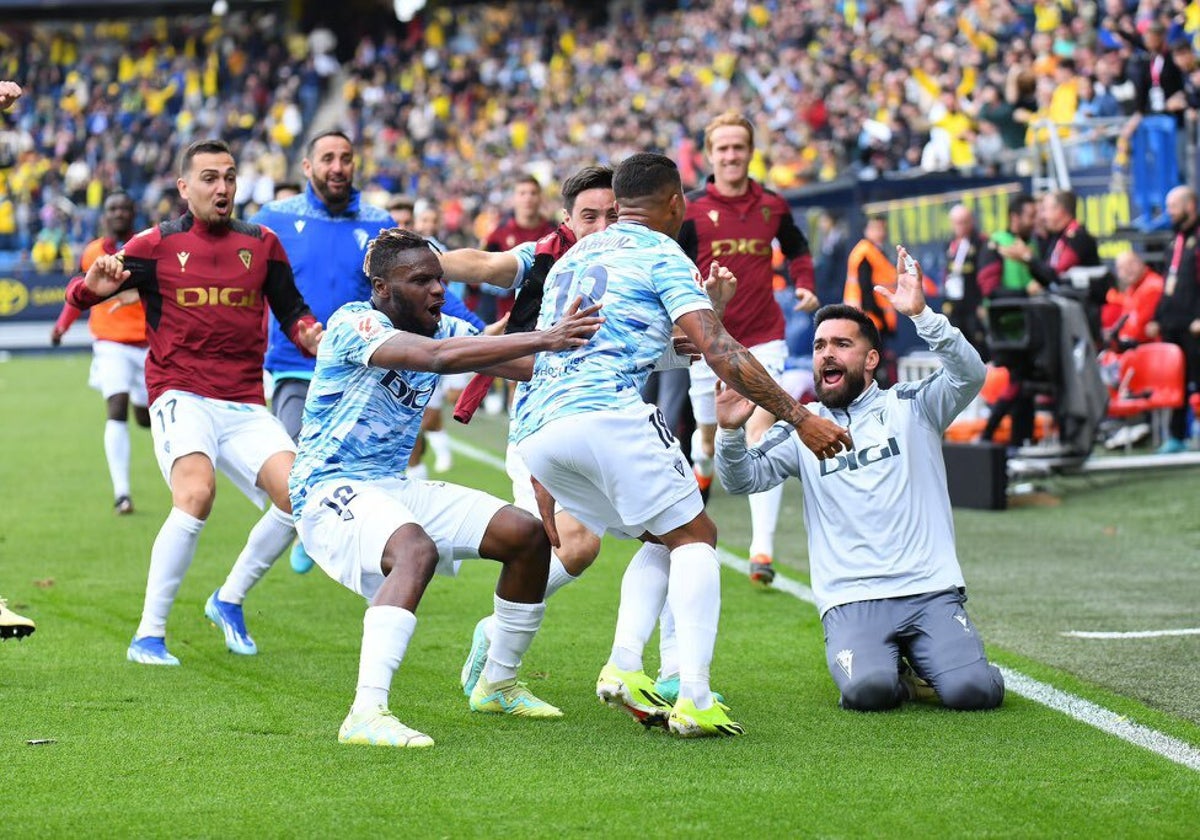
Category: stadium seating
[1152,381]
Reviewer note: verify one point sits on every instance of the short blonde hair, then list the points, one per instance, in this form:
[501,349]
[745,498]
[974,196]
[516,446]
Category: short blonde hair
[729,118]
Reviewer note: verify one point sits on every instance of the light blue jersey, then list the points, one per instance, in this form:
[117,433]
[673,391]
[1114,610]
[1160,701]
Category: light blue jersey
[361,421]
[646,283]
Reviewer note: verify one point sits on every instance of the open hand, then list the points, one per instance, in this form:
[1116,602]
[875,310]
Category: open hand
[909,296]
[720,286]
[733,410]
[807,301]
[310,336]
[575,328]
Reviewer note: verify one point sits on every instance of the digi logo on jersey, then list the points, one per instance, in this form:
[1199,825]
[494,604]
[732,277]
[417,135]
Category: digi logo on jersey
[860,458]
[408,396]
[728,247]
[216,296]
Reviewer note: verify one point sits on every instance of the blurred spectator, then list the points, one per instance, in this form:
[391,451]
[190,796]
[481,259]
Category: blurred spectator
[833,252]
[401,209]
[525,224]
[286,189]
[464,99]
[1130,307]
[1177,318]
[962,301]
[867,267]
[1004,272]
[114,101]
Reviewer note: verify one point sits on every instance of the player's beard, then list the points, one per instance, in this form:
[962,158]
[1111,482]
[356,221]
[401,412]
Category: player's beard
[406,317]
[839,396]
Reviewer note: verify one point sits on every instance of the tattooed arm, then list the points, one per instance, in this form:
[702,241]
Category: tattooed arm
[734,364]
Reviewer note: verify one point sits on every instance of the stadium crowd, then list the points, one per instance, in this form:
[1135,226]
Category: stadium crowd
[455,105]
[109,106]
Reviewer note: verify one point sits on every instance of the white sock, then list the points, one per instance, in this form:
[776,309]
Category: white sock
[668,644]
[418,473]
[513,627]
[701,461]
[386,633]
[559,576]
[764,514]
[695,598]
[643,592]
[169,560]
[116,450]
[269,538]
[439,442]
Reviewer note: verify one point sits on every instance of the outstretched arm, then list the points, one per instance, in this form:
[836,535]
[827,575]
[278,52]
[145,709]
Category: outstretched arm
[737,366]
[940,397]
[470,265]
[744,470]
[408,351]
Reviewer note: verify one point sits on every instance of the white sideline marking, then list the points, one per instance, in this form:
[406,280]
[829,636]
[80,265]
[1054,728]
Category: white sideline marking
[1081,710]
[1131,634]
[1167,746]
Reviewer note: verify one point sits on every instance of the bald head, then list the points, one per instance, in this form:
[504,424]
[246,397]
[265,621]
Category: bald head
[1181,207]
[1130,268]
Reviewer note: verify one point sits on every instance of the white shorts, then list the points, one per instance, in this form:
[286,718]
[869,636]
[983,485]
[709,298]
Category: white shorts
[772,355]
[346,523]
[456,381]
[438,397]
[119,369]
[237,437]
[615,471]
[522,490]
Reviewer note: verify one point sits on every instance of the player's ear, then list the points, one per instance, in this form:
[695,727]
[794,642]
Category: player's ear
[871,362]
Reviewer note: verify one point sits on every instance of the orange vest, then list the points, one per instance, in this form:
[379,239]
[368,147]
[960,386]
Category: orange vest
[883,273]
[125,324]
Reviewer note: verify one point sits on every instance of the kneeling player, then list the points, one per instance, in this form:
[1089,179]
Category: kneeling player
[384,535]
[880,531]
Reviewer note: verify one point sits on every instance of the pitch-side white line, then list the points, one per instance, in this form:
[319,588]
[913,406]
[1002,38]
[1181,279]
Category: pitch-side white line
[1082,710]
[1131,634]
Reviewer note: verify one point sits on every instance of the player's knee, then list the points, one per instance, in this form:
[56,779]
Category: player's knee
[578,551]
[872,692]
[194,497]
[193,492]
[118,407]
[528,540]
[412,553]
[972,688]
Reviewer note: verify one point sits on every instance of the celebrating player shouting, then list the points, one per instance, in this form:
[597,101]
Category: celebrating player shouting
[204,279]
[383,535]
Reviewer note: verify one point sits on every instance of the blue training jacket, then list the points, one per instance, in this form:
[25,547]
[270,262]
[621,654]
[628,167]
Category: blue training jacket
[326,253]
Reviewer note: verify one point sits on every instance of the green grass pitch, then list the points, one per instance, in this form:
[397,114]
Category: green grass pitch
[246,747]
